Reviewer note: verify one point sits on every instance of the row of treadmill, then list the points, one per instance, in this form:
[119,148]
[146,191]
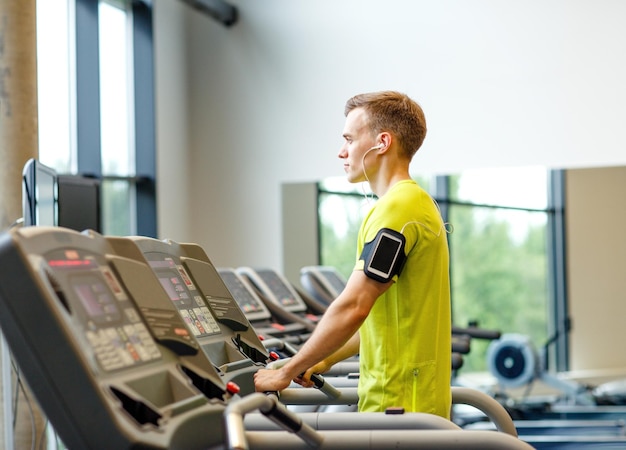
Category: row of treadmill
[139,343]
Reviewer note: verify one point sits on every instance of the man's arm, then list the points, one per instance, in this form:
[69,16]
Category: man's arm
[339,324]
[348,350]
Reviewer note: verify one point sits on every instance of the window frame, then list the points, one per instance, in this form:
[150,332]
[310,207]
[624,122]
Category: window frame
[88,132]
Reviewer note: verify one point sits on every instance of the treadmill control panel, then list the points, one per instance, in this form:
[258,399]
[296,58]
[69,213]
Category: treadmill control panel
[275,287]
[250,304]
[109,320]
[183,293]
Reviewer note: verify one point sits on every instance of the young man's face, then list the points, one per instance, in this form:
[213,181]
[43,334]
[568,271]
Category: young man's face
[358,141]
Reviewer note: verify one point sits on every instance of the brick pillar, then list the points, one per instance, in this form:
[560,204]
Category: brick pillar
[18,101]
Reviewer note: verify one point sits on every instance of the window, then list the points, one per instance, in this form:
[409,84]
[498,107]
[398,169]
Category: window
[54,85]
[499,254]
[341,208]
[501,250]
[95,119]
[116,114]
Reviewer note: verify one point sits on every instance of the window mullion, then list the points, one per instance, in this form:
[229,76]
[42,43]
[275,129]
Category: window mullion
[560,323]
[88,134]
[145,146]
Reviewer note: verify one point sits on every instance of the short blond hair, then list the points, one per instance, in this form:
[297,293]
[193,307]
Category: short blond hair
[396,113]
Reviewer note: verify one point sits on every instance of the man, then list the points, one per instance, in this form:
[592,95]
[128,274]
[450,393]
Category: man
[395,308]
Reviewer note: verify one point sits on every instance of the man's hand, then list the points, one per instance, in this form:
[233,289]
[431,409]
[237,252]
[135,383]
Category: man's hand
[305,379]
[268,380]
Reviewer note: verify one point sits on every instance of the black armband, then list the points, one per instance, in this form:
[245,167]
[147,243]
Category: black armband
[384,256]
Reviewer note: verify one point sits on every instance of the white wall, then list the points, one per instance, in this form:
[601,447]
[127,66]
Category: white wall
[247,108]
[596,248]
[172,112]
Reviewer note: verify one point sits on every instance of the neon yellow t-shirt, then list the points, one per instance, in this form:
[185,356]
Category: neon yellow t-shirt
[405,354]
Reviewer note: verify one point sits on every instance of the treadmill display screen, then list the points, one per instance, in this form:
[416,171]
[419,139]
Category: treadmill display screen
[184,295]
[96,298]
[277,286]
[241,294]
[334,280]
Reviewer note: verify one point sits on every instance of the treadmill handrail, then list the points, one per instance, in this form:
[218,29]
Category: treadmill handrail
[272,408]
[487,404]
[460,395]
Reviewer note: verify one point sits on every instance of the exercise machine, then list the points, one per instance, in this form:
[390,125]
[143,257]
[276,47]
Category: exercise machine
[269,321]
[323,283]
[279,294]
[203,302]
[99,371]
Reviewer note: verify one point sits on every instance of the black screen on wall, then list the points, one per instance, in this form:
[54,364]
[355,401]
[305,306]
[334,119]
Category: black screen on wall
[79,203]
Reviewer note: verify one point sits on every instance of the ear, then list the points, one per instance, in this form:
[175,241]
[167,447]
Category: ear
[384,141]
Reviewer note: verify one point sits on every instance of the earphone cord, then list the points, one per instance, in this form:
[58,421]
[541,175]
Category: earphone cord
[446,226]
[367,180]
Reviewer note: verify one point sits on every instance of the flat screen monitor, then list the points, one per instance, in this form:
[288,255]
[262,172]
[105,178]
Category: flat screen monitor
[39,194]
[79,203]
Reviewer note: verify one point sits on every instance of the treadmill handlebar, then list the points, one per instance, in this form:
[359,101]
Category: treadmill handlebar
[316,378]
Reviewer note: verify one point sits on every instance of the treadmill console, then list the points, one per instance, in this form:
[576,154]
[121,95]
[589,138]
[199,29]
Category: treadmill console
[275,288]
[324,283]
[183,294]
[103,312]
[252,306]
